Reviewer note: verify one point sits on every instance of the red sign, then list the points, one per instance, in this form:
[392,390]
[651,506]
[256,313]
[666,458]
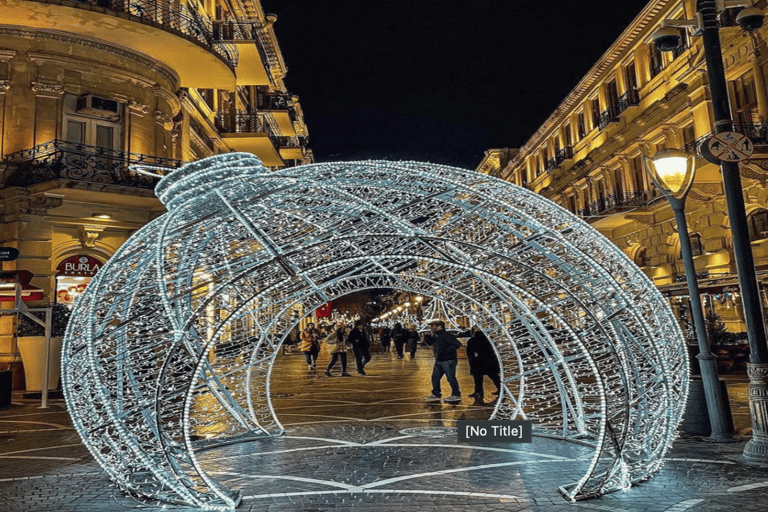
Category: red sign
[81,265]
[23,278]
[324,311]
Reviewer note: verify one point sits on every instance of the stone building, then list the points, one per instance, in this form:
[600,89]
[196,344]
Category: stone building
[90,87]
[637,100]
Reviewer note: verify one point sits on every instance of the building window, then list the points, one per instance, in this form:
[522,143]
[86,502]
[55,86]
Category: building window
[656,60]
[582,126]
[745,96]
[689,139]
[595,113]
[638,176]
[630,74]
[758,224]
[568,137]
[82,128]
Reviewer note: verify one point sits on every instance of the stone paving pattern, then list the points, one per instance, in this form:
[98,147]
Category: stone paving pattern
[346,447]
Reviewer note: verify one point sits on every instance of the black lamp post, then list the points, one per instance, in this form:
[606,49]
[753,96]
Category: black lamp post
[749,19]
[672,171]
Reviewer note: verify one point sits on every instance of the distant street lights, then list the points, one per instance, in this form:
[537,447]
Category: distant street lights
[706,25]
[672,171]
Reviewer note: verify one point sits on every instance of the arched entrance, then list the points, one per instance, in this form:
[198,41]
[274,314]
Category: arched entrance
[172,345]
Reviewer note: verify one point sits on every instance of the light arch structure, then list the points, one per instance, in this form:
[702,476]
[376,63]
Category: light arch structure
[171,347]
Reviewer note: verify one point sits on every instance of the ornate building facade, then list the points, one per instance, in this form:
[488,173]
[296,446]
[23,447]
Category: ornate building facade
[637,100]
[89,88]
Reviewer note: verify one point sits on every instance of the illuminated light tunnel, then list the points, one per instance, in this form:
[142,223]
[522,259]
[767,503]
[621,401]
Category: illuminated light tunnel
[171,347]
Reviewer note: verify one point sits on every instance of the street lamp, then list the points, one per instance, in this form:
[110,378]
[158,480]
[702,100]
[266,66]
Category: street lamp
[757,368]
[672,171]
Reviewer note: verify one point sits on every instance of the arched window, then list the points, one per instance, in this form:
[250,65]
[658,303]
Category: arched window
[758,224]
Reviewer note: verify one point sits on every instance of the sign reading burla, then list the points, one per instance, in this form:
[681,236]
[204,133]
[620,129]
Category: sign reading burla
[8,253]
[490,431]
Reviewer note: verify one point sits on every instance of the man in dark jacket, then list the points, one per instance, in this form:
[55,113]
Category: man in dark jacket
[358,338]
[445,345]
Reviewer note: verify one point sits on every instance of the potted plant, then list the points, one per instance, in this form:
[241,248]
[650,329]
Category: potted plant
[30,337]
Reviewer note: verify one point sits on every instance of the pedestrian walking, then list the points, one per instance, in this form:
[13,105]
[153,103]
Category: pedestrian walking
[337,343]
[482,361]
[310,345]
[412,340]
[361,346]
[399,336]
[385,338]
[445,346]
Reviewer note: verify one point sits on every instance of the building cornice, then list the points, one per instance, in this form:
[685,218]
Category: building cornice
[606,63]
[167,73]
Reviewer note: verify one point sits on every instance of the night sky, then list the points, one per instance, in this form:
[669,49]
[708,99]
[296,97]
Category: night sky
[437,80]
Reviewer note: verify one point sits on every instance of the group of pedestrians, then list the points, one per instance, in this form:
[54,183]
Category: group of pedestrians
[338,341]
[480,353]
[405,339]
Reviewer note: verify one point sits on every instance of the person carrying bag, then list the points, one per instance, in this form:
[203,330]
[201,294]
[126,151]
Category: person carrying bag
[336,345]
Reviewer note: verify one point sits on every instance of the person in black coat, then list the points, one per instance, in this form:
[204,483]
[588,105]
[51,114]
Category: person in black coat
[399,336]
[358,338]
[482,361]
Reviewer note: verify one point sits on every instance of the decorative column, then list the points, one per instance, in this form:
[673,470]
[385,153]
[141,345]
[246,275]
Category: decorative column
[758,409]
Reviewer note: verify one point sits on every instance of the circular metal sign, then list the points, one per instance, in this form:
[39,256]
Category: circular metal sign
[730,146]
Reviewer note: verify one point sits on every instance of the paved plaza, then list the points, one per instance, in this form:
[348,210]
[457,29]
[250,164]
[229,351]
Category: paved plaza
[371,443]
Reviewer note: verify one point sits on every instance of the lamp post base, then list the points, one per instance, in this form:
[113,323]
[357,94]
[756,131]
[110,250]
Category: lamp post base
[756,450]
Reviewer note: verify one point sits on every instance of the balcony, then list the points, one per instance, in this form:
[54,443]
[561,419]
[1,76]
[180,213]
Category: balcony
[251,133]
[59,159]
[613,203]
[281,108]
[178,36]
[608,116]
[561,156]
[254,65]
[292,148]
[630,98]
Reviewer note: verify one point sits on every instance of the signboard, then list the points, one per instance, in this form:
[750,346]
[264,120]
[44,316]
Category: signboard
[8,253]
[324,311]
[730,146]
[79,266]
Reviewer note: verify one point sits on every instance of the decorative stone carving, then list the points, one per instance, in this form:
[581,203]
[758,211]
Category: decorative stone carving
[88,234]
[164,120]
[137,108]
[47,90]
[39,205]
[4,86]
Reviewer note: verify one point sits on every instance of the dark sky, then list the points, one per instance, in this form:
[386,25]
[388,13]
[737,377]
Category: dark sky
[437,80]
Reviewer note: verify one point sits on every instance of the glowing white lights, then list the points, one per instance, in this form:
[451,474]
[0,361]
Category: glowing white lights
[171,347]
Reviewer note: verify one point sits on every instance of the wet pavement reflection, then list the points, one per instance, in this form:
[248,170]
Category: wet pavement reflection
[391,391]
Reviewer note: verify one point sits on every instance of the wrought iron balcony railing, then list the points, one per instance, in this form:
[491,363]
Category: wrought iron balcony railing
[241,32]
[564,154]
[171,16]
[246,32]
[59,159]
[757,133]
[561,156]
[608,116]
[241,122]
[614,202]
[630,98]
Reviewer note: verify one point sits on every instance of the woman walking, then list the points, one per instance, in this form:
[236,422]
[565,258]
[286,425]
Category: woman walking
[337,348]
[482,361]
[310,345]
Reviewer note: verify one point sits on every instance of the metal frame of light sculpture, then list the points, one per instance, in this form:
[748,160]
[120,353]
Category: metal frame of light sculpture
[171,347]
